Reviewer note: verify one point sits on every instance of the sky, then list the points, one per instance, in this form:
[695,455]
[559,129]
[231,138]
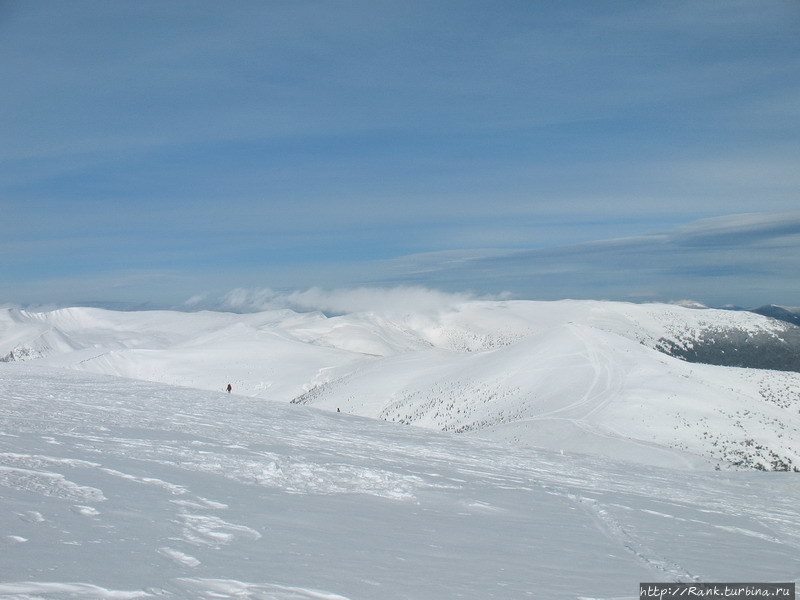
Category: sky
[164,153]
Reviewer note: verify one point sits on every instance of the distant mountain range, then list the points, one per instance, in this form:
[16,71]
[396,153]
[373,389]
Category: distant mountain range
[731,346]
[790,315]
[651,383]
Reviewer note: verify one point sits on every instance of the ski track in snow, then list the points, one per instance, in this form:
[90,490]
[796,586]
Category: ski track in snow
[605,385]
[616,531]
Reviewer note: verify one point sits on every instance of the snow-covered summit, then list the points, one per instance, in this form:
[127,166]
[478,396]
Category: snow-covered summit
[581,376]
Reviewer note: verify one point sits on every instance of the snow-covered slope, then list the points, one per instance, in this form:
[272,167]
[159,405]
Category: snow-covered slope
[573,375]
[585,390]
[274,354]
[122,489]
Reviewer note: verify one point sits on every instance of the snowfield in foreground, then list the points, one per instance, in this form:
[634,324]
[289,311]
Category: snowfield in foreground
[120,489]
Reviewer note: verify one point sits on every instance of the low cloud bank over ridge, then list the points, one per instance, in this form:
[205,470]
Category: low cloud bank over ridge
[747,260]
[387,300]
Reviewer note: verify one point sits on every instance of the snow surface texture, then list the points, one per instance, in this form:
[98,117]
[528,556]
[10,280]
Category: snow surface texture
[573,375]
[122,489]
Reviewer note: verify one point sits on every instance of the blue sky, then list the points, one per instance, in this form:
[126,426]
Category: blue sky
[156,152]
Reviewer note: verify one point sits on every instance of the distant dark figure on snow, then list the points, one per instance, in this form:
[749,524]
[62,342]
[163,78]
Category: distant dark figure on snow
[337,410]
[229,388]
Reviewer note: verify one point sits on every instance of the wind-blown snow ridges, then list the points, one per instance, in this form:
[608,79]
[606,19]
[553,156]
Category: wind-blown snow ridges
[116,488]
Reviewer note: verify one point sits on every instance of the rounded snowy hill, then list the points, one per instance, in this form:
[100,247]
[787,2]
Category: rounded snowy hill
[603,378]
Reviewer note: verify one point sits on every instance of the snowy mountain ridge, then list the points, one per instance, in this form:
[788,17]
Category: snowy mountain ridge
[582,376]
[468,326]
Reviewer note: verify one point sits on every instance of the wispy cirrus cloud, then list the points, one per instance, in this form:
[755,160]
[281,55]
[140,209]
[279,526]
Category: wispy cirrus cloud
[749,259]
